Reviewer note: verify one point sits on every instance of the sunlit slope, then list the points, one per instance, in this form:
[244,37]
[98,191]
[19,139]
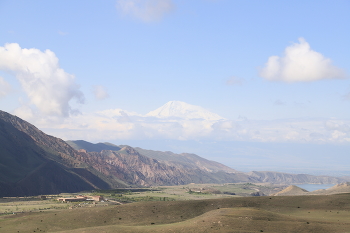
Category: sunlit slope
[295,190]
[339,188]
[292,191]
[247,214]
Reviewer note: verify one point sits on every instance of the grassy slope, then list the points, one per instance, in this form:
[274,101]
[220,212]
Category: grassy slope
[246,214]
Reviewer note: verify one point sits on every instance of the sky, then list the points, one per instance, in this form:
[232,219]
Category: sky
[276,72]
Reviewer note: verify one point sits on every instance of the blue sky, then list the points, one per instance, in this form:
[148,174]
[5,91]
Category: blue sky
[275,71]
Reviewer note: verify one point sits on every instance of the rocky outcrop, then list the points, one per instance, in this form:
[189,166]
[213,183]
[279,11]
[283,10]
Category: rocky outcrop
[191,161]
[131,167]
[183,161]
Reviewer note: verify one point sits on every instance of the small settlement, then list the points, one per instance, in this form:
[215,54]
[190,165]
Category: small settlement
[81,198]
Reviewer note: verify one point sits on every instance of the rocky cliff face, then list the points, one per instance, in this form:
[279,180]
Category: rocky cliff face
[183,161]
[131,167]
[186,160]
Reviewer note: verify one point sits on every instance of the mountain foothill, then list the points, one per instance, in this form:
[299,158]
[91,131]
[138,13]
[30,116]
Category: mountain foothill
[33,163]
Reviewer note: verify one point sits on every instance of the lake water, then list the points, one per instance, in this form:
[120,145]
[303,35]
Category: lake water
[313,187]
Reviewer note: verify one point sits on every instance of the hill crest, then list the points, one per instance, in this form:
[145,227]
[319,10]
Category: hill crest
[291,190]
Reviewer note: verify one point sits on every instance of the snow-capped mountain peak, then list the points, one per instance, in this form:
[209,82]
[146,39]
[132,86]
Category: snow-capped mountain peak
[184,110]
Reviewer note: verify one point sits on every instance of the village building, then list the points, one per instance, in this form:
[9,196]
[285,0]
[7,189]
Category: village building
[81,198]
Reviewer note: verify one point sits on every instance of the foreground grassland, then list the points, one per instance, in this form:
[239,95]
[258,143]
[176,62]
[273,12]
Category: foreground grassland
[329,213]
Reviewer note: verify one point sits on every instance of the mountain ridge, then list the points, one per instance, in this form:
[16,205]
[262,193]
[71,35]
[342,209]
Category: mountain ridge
[224,174]
[33,163]
[188,160]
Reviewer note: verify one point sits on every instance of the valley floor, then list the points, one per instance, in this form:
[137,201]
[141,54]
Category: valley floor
[323,213]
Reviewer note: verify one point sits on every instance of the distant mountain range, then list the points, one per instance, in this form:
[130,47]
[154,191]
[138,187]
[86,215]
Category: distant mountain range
[32,162]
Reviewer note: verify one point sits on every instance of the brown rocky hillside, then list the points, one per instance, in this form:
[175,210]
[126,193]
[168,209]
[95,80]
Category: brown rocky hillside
[32,162]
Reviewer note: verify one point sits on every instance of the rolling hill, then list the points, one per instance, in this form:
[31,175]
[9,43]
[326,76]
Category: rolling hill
[291,191]
[296,191]
[322,214]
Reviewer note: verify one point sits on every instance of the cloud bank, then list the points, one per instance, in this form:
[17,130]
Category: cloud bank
[48,87]
[168,122]
[300,64]
[145,10]
[117,124]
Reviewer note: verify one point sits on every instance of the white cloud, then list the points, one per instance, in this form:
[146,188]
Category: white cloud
[47,86]
[117,124]
[337,134]
[146,10]
[300,64]
[337,125]
[112,113]
[100,92]
[25,112]
[5,87]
